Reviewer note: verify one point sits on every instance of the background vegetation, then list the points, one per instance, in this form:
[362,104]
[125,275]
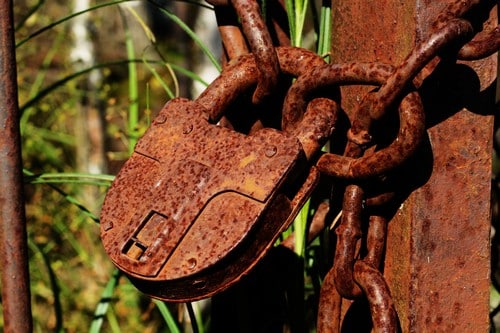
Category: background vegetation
[81,117]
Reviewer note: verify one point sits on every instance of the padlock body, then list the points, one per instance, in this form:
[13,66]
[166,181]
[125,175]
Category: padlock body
[197,204]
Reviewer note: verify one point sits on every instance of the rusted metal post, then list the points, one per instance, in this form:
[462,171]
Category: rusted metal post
[437,257]
[13,249]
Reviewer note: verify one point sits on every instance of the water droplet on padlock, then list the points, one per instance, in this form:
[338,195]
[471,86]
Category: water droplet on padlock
[192,263]
[160,119]
[271,151]
[187,129]
[108,226]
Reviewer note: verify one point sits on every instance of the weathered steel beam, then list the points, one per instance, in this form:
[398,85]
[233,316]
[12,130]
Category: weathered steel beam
[438,255]
[13,249]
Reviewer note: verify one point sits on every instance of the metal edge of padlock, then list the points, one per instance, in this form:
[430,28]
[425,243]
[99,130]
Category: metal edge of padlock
[224,271]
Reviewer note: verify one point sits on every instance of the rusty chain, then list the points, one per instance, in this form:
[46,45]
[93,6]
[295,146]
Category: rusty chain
[358,257]
[192,161]
[258,38]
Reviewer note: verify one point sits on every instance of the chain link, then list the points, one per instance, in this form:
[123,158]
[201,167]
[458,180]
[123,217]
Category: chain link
[260,42]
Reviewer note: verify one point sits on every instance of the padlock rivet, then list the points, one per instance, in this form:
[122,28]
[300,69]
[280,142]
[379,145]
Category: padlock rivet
[187,129]
[271,151]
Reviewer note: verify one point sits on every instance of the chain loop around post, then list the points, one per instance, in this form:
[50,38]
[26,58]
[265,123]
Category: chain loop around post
[412,122]
[452,36]
[411,133]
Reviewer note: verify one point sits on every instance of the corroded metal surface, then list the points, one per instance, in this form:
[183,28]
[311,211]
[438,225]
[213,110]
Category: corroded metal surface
[337,74]
[16,301]
[329,307]
[261,45]
[383,313]
[348,237]
[233,41]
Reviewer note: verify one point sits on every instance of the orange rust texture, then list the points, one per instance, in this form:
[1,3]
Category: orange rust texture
[370,31]
[438,255]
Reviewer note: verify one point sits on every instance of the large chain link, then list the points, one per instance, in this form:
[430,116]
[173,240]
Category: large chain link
[358,257]
[258,37]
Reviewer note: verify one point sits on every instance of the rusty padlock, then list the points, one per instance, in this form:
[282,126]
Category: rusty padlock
[197,204]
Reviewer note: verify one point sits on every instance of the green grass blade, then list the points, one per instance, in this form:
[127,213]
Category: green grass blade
[44,134]
[172,68]
[71,175]
[68,198]
[133,88]
[189,74]
[192,317]
[69,178]
[300,229]
[113,322]
[72,200]
[62,228]
[70,181]
[190,33]
[149,33]
[325,29]
[30,13]
[202,327]
[296,11]
[301,9]
[54,285]
[160,79]
[290,12]
[49,89]
[167,316]
[102,307]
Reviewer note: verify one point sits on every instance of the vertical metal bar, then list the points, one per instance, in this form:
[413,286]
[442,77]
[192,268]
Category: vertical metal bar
[438,255]
[13,249]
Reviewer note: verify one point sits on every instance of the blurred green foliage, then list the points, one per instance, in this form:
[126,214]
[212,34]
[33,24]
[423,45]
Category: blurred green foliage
[69,270]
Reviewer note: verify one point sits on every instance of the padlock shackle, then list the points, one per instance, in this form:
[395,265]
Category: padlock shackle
[239,77]
[260,41]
